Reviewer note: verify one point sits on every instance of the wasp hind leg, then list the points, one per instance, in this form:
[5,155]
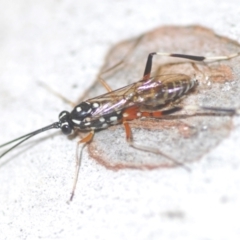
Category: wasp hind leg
[148,67]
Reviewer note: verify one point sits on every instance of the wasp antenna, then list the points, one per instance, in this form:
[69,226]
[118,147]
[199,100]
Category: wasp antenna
[27,136]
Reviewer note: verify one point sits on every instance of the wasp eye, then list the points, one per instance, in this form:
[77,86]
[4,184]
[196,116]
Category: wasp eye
[66,128]
[65,123]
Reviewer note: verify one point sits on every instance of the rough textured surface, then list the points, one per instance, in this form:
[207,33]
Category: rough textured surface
[63,44]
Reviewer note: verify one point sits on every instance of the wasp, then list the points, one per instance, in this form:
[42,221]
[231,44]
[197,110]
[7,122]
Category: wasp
[151,97]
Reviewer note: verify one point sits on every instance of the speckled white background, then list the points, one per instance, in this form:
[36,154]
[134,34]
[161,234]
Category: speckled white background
[63,43]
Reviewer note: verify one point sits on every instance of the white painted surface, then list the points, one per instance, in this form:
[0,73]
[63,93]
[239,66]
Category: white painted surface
[63,43]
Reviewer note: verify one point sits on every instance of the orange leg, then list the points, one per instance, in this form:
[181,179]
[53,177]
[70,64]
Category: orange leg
[88,138]
[133,113]
[128,131]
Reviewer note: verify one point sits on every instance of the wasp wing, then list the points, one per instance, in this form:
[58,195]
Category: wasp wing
[149,93]
[114,101]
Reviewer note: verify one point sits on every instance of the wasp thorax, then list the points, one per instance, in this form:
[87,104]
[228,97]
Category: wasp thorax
[81,111]
[65,122]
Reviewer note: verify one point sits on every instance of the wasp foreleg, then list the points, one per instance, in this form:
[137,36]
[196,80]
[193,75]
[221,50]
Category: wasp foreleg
[87,139]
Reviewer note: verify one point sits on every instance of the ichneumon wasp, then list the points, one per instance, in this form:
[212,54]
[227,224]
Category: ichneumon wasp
[151,97]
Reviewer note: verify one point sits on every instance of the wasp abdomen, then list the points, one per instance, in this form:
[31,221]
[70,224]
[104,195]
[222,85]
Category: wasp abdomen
[164,89]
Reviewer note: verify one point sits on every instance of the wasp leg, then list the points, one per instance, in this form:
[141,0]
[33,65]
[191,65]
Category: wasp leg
[85,141]
[217,110]
[66,100]
[120,63]
[131,143]
[117,65]
[104,83]
[133,113]
[148,67]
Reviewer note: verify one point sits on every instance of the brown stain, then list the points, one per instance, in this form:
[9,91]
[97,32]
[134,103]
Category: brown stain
[221,74]
[189,40]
